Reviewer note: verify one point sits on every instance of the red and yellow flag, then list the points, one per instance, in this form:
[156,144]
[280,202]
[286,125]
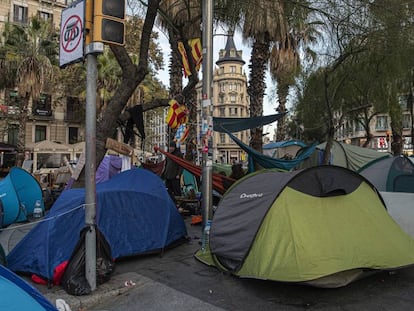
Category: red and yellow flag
[177,114]
[196,53]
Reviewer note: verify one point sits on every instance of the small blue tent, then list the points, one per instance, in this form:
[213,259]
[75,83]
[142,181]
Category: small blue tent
[134,213]
[18,295]
[19,192]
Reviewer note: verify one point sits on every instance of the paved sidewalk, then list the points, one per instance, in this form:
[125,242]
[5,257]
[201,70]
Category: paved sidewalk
[151,295]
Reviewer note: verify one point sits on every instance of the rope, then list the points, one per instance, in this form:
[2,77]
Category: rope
[44,220]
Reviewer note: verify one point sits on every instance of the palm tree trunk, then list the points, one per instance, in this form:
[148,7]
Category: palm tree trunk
[282,91]
[191,143]
[256,88]
[21,135]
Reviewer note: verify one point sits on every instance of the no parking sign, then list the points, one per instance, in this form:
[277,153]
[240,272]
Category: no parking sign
[71,34]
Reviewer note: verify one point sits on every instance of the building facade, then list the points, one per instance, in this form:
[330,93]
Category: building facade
[53,117]
[230,100]
[352,131]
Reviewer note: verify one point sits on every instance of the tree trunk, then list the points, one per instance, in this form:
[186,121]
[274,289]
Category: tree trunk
[132,76]
[21,135]
[191,142]
[256,88]
[282,91]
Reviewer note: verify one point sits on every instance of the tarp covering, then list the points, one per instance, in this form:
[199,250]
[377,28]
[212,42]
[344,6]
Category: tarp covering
[224,125]
[134,213]
[305,225]
[269,162]
[109,166]
[218,179]
[283,149]
[17,294]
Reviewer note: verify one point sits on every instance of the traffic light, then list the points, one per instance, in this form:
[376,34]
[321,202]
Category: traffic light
[109,21]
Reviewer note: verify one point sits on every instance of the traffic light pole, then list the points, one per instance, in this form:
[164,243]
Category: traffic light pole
[104,22]
[207,172]
[91,51]
[90,169]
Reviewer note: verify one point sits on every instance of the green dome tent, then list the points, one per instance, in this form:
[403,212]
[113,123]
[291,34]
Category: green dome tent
[344,155]
[324,226]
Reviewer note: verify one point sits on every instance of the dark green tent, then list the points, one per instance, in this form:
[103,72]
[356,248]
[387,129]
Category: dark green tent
[325,226]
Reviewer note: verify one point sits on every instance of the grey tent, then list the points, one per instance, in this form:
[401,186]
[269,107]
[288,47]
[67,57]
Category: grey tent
[395,174]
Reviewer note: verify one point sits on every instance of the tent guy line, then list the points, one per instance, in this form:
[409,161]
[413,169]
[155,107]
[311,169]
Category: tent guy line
[43,220]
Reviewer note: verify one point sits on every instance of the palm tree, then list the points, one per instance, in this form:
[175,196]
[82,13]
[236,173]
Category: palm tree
[30,54]
[285,62]
[264,23]
[182,19]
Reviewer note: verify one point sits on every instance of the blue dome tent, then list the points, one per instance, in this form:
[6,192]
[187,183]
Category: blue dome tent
[19,192]
[135,214]
[17,294]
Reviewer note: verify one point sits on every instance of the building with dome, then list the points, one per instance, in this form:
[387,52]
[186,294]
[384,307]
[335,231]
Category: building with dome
[230,100]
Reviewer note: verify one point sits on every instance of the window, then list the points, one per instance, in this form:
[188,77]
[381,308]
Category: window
[402,101]
[74,109]
[43,106]
[20,14]
[358,126]
[381,123]
[222,138]
[45,16]
[221,70]
[233,69]
[13,98]
[233,98]
[222,112]
[73,135]
[40,133]
[12,132]
[233,111]
[406,121]
[233,53]
[222,87]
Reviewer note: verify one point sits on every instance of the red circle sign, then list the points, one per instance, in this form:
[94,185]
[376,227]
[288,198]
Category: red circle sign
[71,34]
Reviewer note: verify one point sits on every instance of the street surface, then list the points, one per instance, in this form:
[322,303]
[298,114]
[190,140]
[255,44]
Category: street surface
[181,282]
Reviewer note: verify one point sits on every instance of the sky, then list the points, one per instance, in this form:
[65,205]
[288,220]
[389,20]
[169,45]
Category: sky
[219,42]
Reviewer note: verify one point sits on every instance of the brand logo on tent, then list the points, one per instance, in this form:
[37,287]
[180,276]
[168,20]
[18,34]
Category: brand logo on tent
[251,195]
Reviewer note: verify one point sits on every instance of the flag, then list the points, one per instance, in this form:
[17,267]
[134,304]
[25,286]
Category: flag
[177,114]
[196,53]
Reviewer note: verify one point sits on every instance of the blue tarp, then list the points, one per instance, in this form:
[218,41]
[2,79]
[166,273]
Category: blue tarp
[231,125]
[134,212]
[280,144]
[17,294]
[269,162]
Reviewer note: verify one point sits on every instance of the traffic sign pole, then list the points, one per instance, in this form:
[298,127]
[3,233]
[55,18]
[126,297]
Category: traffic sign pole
[90,171]
[91,51]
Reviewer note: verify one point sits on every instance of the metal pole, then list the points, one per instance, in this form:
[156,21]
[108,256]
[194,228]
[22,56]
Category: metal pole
[90,170]
[207,106]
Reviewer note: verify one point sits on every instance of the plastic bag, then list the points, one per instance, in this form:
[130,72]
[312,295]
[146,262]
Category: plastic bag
[74,280]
